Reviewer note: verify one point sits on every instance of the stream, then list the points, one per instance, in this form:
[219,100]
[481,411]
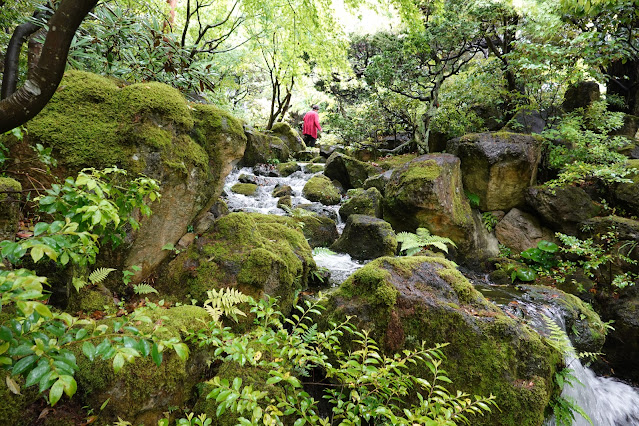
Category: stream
[607,401]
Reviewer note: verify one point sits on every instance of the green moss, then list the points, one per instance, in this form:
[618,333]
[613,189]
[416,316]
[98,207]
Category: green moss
[8,184]
[248,189]
[392,162]
[258,254]
[424,170]
[321,189]
[314,168]
[90,121]
[287,169]
[88,300]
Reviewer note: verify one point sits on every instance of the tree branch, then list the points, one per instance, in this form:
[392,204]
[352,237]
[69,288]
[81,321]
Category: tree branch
[30,99]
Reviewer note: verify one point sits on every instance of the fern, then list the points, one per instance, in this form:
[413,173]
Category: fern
[100,275]
[144,289]
[310,334]
[322,250]
[412,244]
[557,337]
[222,303]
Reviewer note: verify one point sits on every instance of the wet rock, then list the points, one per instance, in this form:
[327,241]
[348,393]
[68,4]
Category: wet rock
[497,167]
[282,190]
[351,173]
[581,95]
[378,181]
[319,209]
[247,189]
[427,193]
[360,201]
[520,231]
[307,155]
[327,150]
[257,254]
[321,189]
[405,300]
[267,170]
[563,208]
[244,178]
[287,169]
[319,231]
[366,237]
[262,148]
[285,201]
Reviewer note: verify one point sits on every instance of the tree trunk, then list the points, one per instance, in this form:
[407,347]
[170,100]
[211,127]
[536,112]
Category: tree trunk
[34,52]
[30,99]
[624,82]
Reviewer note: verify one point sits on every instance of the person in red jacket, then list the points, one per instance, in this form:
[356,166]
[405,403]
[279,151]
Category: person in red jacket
[311,126]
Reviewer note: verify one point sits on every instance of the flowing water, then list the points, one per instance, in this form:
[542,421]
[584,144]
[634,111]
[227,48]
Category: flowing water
[608,402]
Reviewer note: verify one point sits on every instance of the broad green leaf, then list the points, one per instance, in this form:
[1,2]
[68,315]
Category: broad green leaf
[56,392]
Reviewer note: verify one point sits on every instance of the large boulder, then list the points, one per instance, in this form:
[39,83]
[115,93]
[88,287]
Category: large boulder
[563,208]
[289,136]
[9,208]
[497,167]
[520,231]
[147,128]
[367,202]
[319,231]
[263,148]
[320,189]
[403,301]
[255,253]
[427,193]
[366,237]
[351,173]
[378,181]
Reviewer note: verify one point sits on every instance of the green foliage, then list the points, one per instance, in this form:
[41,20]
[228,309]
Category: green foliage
[489,220]
[473,199]
[144,288]
[541,257]
[96,203]
[362,384]
[36,342]
[597,258]
[582,148]
[412,244]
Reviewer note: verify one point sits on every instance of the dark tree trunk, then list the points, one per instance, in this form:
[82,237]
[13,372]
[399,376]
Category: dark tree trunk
[624,82]
[30,99]
[12,59]
[34,52]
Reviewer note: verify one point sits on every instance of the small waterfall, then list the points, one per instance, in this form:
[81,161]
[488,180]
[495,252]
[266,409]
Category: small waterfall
[340,264]
[608,402]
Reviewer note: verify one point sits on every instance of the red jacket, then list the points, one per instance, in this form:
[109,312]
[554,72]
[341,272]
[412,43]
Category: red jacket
[311,124]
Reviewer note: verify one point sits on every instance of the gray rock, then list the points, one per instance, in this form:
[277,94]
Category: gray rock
[360,201]
[520,231]
[366,237]
[351,173]
[497,167]
[581,95]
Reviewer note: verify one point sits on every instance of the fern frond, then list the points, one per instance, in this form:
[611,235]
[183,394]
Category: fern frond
[423,233]
[79,283]
[144,289]
[309,335]
[404,236]
[557,338]
[225,300]
[100,275]
[322,250]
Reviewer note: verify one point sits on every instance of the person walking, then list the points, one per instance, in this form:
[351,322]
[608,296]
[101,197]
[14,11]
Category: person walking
[311,126]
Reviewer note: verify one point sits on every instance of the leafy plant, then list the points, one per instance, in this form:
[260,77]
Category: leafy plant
[489,220]
[362,383]
[412,244]
[127,275]
[541,257]
[144,288]
[473,199]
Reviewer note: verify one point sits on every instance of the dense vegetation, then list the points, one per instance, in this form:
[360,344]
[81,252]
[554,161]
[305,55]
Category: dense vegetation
[430,71]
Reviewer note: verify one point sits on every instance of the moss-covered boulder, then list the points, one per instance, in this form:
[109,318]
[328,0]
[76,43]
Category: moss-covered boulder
[366,237]
[9,208]
[141,392]
[362,201]
[255,253]
[321,189]
[149,127]
[248,189]
[314,168]
[562,208]
[285,202]
[287,169]
[497,167]
[427,192]
[282,191]
[289,136]
[404,301]
[319,231]
[351,173]
[262,148]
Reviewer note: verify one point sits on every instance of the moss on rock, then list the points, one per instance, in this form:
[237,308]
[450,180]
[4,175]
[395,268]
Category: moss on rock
[403,301]
[248,189]
[258,254]
[321,189]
